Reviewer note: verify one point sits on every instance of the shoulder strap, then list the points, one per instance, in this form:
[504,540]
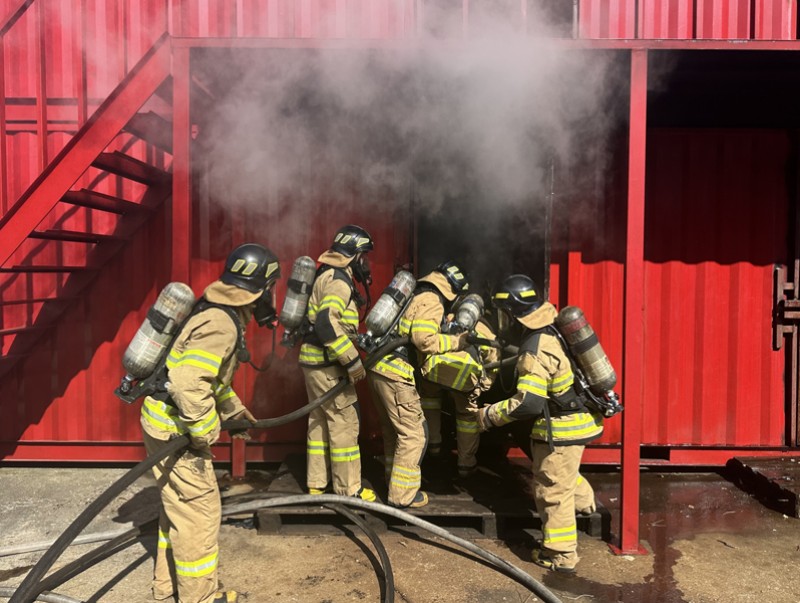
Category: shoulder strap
[530,342]
[340,274]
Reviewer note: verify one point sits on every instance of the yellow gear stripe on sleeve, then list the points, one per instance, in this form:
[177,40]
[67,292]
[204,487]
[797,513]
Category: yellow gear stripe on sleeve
[226,394]
[340,345]
[332,301]
[562,383]
[202,427]
[197,358]
[502,411]
[163,540]
[405,326]
[533,385]
[444,343]
[426,326]
[199,568]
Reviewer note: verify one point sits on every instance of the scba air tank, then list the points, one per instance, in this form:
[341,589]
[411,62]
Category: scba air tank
[298,290]
[469,311]
[173,305]
[390,303]
[586,349]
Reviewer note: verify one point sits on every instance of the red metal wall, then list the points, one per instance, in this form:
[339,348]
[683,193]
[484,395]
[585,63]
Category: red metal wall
[712,378]
[715,225]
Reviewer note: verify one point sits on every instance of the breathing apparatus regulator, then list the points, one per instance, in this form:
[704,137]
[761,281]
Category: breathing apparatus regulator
[387,311]
[467,311]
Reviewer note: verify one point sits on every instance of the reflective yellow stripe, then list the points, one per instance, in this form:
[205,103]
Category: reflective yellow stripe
[466,426]
[332,301]
[311,354]
[202,427]
[533,385]
[567,534]
[564,382]
[225,394]
[405,326]
[582,425]
[163,540]
[395,366]
[340,345]
[199,568]
[316,447]
[345,455]
[502,411]
[403,477]
[426,326]
[162,416]
[444,343]
[194,357]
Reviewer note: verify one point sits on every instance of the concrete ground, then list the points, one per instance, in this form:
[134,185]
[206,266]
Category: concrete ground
[708,542]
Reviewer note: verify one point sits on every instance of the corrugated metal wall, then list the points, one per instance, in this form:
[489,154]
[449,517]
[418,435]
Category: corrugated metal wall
[715,225]
[712,378]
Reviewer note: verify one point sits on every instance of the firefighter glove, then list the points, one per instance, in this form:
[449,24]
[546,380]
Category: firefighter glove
[482,416]
[242,434]
[461,341]
[356,371]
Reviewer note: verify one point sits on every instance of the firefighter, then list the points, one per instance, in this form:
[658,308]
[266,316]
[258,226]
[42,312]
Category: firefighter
[394,388]
[461,376]
[200,366]
[327,356]
[562,424]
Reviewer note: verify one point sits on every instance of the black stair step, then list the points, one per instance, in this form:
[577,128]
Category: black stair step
[72,236]
[152,128]
[128,167]
[40,269]
[95,200]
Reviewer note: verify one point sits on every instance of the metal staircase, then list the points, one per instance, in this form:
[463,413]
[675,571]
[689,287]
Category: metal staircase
[34,289]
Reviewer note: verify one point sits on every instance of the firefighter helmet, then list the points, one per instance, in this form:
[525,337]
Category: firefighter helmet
[350,240]
[455,276]
[518,295]
[252,267]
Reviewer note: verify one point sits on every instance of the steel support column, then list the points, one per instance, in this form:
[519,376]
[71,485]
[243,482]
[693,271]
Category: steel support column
[633,343]
[181,166]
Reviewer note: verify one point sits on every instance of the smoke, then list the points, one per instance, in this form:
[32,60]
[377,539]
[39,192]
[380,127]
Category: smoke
[477,120]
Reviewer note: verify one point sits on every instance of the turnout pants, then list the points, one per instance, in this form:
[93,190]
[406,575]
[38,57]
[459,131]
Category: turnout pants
[559,491]
[404,436]
[332,442]
[467,434]
[188,526]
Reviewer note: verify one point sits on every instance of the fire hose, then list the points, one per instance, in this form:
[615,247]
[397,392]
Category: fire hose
[31,587]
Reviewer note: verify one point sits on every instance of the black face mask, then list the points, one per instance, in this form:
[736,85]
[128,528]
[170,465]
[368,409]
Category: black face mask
[361,271]
[264,312]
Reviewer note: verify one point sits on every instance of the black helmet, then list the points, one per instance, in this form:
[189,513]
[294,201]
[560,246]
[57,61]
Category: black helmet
[350,240]
[518,294]
[252,267]
[454,275]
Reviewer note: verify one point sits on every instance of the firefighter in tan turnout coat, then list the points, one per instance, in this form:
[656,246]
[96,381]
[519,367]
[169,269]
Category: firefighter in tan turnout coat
[393,384]
[562,427]
[328,355]
[461,376]
[198,396]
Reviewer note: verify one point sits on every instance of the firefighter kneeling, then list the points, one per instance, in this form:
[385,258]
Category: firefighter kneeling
[563,425]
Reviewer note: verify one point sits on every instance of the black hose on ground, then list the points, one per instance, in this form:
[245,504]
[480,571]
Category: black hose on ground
[501,564]
[383,555]
[7,592]
[29,588]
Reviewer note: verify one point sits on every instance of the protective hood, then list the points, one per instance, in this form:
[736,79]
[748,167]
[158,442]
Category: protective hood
[439,280]
[335,259]
[229,295]
[541,317]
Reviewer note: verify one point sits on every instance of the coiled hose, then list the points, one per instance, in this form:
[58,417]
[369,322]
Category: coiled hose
[501,564]
[29,588]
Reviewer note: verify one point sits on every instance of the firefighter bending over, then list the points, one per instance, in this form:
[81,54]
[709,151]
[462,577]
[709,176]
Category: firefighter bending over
[328,355]
[562,427]
[461,376]
[393,385]
[196,397]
